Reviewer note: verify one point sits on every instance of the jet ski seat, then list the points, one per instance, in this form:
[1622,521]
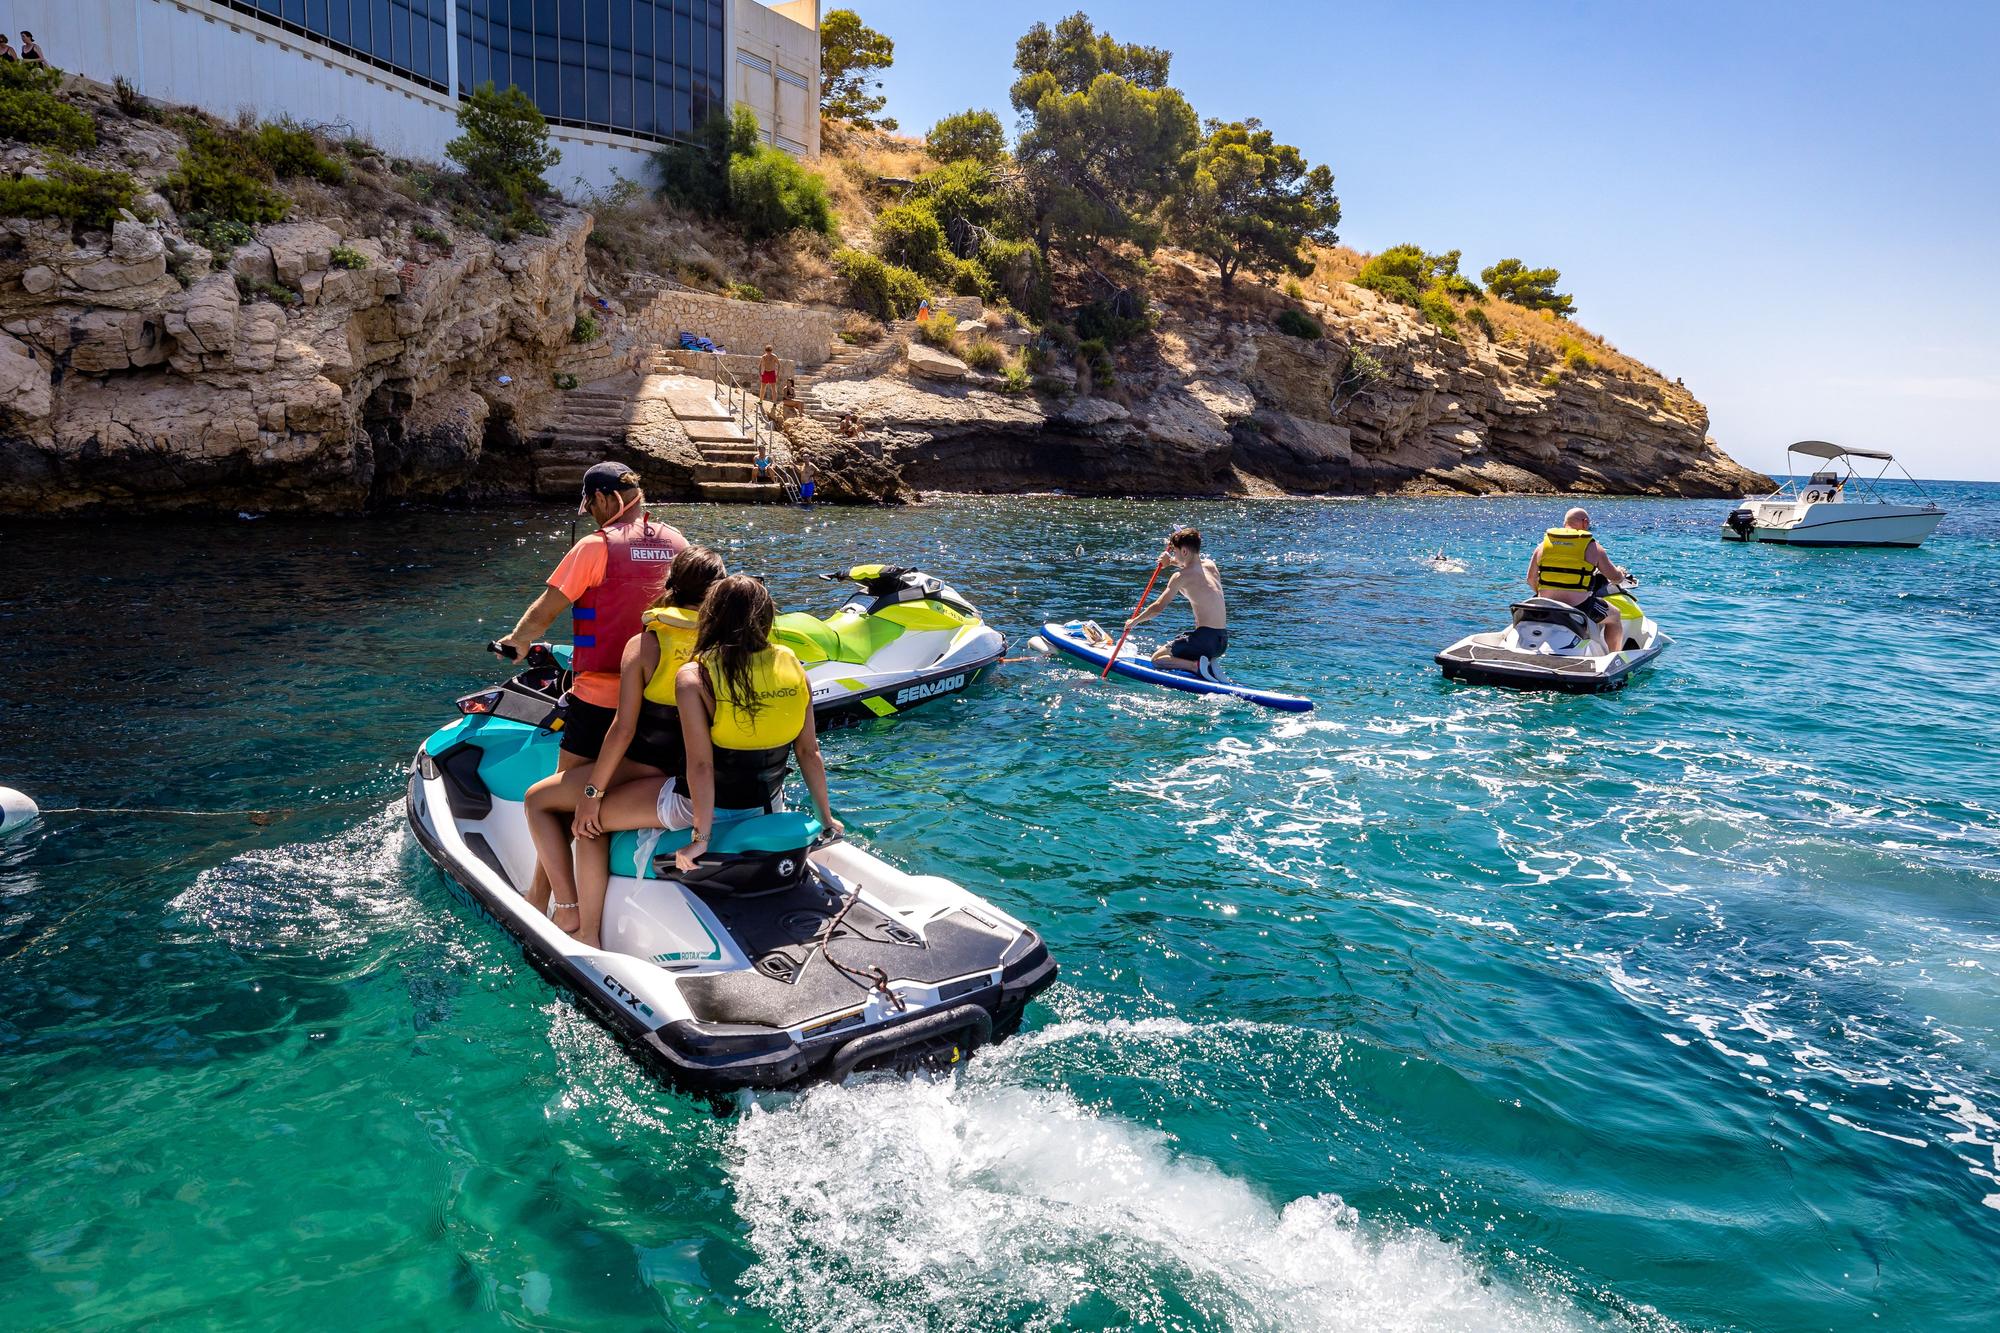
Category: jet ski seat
[761,854]
[842,638]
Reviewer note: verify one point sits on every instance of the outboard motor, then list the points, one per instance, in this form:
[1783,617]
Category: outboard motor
[1740,522]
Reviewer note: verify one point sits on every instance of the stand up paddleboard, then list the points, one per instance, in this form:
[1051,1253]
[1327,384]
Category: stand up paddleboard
[1075,638]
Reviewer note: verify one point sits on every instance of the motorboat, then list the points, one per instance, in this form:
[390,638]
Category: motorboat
[1551,645]
[1836,505]
[906,639]
[781,958]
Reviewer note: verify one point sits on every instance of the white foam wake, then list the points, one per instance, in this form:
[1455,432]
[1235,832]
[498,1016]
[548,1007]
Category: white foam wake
[969,1203]
[323,898]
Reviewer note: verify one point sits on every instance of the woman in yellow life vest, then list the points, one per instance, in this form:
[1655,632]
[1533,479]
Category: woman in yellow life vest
[643,745]
[746,710]
[1566,568]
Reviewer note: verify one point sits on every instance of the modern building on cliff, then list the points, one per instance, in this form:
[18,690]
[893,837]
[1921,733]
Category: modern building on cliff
[616,78]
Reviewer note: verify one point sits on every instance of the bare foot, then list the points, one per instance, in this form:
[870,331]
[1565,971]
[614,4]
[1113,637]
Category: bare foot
[568,919]
[589,941]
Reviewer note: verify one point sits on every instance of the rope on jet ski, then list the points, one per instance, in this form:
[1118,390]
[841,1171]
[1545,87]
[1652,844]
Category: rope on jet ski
[874,978]
[258,817]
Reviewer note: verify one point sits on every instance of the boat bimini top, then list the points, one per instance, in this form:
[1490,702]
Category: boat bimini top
[1829,481]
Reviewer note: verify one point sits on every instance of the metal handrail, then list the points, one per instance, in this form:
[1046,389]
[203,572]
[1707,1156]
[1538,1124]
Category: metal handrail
[748,412]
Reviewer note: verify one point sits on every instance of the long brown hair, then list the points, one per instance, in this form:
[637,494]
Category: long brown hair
[694,571]
[736,619]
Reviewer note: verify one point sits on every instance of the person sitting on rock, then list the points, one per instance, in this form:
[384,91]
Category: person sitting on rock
[1570,567]
[850,424]
[31,51]
[7,51]
[791,406]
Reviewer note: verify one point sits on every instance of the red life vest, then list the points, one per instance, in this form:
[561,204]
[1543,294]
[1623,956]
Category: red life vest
[636,558]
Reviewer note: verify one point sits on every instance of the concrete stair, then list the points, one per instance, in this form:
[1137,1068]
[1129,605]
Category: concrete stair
[592,422]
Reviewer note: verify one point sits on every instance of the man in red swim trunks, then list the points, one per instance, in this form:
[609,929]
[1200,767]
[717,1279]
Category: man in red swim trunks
[767,375]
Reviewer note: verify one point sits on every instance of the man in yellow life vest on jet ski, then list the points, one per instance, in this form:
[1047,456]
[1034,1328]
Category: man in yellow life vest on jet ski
[1566,568]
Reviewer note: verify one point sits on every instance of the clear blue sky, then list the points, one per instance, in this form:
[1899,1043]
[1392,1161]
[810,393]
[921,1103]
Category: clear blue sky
[1793,207]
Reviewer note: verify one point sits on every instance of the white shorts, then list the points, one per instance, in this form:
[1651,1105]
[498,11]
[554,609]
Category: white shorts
[677,811]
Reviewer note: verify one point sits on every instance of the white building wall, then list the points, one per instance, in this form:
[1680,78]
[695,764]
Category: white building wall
[223,61]
[774,70]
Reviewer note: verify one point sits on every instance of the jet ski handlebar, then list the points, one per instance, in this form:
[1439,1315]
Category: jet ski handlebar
[539,658]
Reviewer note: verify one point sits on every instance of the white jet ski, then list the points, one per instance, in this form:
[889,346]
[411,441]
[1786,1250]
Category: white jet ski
[907,639]
[1551,645]
[780,959]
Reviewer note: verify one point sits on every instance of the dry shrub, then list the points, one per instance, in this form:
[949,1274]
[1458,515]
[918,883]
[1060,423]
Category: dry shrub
[983,353]
[1336,266]
[854,161]
[860,329]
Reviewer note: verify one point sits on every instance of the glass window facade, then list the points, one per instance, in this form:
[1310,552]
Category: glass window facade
[406,37]
[650,68]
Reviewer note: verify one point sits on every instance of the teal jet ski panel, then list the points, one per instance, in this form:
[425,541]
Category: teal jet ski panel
[515,755]
[761,835]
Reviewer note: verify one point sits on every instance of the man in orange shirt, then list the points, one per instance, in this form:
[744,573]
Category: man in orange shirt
[606,582]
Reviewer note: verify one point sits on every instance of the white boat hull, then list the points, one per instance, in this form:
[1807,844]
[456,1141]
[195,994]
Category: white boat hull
[1836,524]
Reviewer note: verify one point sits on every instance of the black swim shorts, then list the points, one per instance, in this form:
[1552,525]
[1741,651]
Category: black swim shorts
[1200,642]
[584,726]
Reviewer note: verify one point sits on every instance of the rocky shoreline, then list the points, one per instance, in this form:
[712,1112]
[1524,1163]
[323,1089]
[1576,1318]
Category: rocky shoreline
[389,343]
[1233,407]
[428,372]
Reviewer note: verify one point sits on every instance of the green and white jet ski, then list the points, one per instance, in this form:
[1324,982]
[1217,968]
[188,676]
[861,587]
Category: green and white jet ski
[781,958]
[906,639]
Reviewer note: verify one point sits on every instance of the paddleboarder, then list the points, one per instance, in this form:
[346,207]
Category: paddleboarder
[1197,579]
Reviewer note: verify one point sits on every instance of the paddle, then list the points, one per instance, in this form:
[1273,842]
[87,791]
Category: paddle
[1158,565]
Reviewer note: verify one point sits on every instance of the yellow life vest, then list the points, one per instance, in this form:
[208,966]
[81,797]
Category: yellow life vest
[1563,560]
[752,753]
[675,627]
[783,694]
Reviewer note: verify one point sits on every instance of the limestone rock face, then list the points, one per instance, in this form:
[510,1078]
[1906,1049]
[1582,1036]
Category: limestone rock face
[933,364]
[330,389]
[1218,403]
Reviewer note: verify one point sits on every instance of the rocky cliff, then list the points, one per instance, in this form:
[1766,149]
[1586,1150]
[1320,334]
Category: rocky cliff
[382,345]
[280,382]
[1219,401]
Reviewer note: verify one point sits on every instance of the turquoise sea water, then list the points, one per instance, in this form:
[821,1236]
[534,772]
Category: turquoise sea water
[1437,1008]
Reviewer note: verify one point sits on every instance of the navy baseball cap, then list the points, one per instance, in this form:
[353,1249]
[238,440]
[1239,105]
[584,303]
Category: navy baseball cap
[606,479]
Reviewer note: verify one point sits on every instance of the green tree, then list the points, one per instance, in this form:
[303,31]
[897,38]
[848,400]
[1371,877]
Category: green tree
[1251,203]
[1535,288]
[1103,137]
[1404,272]
[1075,53]
[771,193]
[503,143]
[971,193]
[849,54]
[696,175]
[908,234]
[969,136]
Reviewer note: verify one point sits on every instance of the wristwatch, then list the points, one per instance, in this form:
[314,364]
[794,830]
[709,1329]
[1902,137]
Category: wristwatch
[592,792]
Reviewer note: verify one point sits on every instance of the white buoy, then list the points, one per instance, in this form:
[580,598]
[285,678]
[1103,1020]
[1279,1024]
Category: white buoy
[16,810]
